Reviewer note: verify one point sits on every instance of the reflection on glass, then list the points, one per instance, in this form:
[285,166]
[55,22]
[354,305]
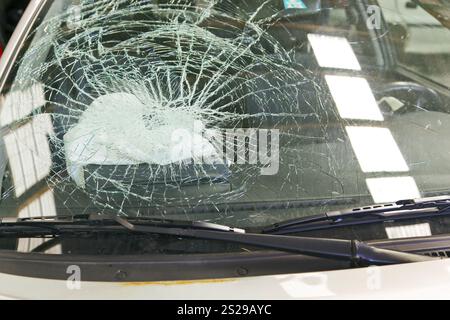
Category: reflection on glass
[392,189]
[354,98]
[333,52]
[16,105]
[43,205]
[376,150]
[410,231]
[29,153]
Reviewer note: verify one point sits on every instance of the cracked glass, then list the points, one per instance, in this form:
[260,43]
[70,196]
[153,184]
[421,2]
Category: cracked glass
[239,112]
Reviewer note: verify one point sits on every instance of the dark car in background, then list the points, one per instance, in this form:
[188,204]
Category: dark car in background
[10,13]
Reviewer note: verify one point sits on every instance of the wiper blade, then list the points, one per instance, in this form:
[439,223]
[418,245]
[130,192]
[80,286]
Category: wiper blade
[356,252]
[404,209]
[86,222]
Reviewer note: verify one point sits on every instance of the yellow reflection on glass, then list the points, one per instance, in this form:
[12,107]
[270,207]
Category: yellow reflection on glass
[376,150]
[353,98]
[392,189]
[333,52]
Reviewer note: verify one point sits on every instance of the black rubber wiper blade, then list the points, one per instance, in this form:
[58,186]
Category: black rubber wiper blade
[356,252]
[28,225]
[86,222]
[425,207]
[163,222]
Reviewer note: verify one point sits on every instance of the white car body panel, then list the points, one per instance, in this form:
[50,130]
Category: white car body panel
[424,280]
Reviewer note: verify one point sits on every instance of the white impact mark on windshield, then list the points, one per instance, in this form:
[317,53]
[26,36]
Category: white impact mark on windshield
[121,76]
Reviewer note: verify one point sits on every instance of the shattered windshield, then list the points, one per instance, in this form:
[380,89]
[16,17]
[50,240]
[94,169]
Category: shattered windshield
[243,112]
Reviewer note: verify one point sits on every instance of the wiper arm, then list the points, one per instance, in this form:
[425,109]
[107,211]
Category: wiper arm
[356,252]
[425,207]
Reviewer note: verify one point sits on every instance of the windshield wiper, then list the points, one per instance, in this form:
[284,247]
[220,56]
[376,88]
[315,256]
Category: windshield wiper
[87,222]
[356,252]
[404,209]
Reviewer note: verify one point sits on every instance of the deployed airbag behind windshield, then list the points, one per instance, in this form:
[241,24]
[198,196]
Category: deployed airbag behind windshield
[110,134]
